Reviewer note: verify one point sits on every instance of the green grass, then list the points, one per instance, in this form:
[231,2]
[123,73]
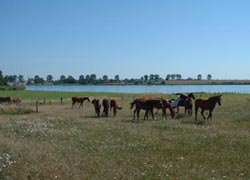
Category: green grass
[64,143]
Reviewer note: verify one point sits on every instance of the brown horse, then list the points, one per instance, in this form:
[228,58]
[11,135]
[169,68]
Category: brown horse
[79,100]
[97,106]
[105,104]
[5,100]
[114,105]
[165,104]
[145,104]
[149,104]
[16,100]
[207,104]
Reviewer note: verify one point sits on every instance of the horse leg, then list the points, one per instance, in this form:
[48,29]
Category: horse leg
[209,115]
[73,104]
[138,113]
[164,113]
[81,105]
[152,112]
[146,115]
[196,111]
[134,114]
[202,113]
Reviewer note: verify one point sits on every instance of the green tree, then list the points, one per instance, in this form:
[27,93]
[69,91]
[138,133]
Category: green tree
[146,78]
[105,78]
[117,78]
[209,77]
[81,79]
[156,77]
[70,79]
[49,78]
[21,78]
[2,82]
[38,80]
[168,77]
[62,79]
[151,77]
[199,77]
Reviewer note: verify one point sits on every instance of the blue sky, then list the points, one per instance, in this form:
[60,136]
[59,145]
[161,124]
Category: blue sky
[130,38]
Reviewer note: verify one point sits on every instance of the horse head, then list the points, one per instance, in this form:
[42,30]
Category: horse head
[219,99]
[191,95]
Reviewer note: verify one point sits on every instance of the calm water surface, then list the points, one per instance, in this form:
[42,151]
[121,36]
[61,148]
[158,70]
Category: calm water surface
[167,89]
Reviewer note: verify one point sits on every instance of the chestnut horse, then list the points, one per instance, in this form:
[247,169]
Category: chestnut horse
[114,105]
[165,105]
[207,104]
[97,106]
[79,100]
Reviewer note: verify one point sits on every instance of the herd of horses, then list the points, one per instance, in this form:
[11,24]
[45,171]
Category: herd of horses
[149,104]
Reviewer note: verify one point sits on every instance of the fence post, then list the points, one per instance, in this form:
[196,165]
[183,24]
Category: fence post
[44,100]
[61,100]
[37,106]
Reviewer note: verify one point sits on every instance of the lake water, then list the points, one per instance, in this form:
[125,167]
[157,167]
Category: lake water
[166,89]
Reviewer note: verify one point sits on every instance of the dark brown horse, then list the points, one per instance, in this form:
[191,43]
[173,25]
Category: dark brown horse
[114,105]
[207,104]
[79,100]
[145,104]
[105,104]
[97,106]
[5,99]
[149,104]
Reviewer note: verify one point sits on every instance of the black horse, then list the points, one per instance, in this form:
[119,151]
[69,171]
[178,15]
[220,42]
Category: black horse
[186,101]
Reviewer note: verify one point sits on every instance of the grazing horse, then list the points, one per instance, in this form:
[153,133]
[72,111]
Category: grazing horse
[5,100]
[97,106]
[114,105]
[79,100]
[165,105]
[145,104]
[105,104]
[207,104]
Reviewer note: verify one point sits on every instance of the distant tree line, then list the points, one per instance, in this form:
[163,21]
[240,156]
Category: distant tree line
[92,79]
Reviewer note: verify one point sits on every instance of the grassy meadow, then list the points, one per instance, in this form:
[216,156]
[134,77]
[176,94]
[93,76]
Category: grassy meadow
[59,142]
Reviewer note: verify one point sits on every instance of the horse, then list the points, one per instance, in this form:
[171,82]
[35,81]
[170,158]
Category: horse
[186,102]
[114,105]
[97,106]
[174,103]
[5,100]
[207,104]
[165,105]
[16,100]
[188,106]
[145,104]
[79,100]
[105,104]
